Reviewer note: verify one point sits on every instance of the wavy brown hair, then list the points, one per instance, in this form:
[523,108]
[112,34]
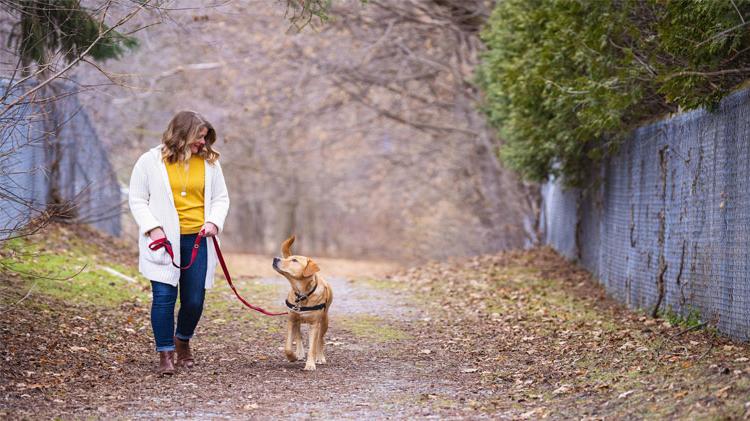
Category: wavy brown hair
[183,128]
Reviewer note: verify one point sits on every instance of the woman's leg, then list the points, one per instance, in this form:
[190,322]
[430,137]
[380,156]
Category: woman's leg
[162,314]
[192,286]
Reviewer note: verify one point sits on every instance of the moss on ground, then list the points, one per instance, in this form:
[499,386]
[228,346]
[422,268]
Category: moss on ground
[371,327]
[68,269]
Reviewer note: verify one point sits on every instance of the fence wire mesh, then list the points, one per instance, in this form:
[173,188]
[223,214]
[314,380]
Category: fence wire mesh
[51,156]
[667,225]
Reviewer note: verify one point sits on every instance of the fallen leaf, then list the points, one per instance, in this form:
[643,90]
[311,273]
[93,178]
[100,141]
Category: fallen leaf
[532,413]
[723,392]
[78,349]
[562,389]
[681,394]
[624,395]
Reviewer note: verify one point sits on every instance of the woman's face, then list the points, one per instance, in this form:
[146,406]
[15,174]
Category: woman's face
[199,142]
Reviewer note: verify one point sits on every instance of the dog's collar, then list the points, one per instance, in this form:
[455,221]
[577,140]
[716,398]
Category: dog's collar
[298,298]
[298,309]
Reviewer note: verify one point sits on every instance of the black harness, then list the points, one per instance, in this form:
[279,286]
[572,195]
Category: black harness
[298,298]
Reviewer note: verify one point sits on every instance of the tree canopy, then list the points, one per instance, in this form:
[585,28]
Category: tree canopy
[564,80]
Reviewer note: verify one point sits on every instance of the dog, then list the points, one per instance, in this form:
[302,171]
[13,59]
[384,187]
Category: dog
[309,301]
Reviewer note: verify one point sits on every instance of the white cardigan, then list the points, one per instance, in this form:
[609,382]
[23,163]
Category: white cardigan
[152,204]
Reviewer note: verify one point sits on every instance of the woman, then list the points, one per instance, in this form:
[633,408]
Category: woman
[177,190]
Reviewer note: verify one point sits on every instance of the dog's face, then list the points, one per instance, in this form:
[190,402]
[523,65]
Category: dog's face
[294,267]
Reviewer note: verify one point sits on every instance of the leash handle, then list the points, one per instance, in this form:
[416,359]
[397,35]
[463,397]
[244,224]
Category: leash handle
[163,242]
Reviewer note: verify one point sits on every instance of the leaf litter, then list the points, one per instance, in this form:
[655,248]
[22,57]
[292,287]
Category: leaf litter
[517,335]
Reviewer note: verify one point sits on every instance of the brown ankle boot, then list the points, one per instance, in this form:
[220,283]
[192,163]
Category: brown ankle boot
[166,363]
[184,357]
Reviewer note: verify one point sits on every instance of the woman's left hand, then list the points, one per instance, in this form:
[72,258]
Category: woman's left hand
[209,229]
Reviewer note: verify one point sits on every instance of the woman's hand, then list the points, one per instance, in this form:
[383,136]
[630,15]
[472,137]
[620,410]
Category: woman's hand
[156,234]
[209,229]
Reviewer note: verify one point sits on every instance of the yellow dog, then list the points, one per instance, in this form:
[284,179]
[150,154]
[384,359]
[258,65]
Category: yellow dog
[308,302]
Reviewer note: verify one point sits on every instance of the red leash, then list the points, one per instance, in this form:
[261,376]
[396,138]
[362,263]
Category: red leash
[163,242]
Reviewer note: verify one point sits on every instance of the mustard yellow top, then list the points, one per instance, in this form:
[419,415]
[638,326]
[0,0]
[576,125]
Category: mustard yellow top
[188,182]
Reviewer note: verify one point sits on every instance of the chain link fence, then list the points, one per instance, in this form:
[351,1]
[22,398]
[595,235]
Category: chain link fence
[666,226]
[52,162]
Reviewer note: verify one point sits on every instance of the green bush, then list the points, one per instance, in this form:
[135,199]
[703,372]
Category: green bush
[45,26]
[564,80]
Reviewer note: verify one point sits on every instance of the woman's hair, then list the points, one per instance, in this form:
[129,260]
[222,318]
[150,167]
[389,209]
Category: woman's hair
[184,127]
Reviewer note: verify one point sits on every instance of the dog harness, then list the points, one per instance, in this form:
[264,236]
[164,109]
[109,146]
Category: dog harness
[298,298]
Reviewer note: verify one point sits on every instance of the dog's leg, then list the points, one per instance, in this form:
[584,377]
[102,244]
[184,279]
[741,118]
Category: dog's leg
[290,355]
[314,332]
[321,357]
[298,339]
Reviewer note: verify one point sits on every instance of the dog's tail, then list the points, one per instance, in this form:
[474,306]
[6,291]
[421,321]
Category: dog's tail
[286,247]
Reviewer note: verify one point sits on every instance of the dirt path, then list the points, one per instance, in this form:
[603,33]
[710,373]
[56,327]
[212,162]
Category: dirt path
[513,336]
[375,368]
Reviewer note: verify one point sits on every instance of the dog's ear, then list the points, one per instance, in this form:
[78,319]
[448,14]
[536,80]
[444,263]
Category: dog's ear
[286,247]
[310,269]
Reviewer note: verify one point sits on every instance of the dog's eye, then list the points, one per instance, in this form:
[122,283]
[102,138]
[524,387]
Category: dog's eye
[295,261]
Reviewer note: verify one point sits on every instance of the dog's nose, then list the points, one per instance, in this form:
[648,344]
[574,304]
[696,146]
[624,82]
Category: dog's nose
[276,261]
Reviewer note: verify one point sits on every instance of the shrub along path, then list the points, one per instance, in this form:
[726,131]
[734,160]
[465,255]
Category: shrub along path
[515,335]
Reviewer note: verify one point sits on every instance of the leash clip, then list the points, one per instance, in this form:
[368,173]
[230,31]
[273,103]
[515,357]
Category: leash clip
[297,308]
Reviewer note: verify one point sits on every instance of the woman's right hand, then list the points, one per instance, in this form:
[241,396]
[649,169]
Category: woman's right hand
[156,234]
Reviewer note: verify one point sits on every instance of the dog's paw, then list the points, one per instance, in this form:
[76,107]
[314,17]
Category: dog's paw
[320,360]
[310,366]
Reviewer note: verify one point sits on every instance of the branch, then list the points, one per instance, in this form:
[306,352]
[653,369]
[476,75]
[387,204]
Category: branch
[6,309]
[707,74]
[396,117]
[74,61]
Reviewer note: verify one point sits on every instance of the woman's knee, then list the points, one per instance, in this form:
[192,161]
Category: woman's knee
[192,295]
[192,304]
[163,294]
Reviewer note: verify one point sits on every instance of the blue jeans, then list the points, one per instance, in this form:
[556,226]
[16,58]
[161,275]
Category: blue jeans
[192,288]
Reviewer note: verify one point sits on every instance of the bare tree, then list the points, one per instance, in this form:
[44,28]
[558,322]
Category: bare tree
[362,138]
[424,51]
